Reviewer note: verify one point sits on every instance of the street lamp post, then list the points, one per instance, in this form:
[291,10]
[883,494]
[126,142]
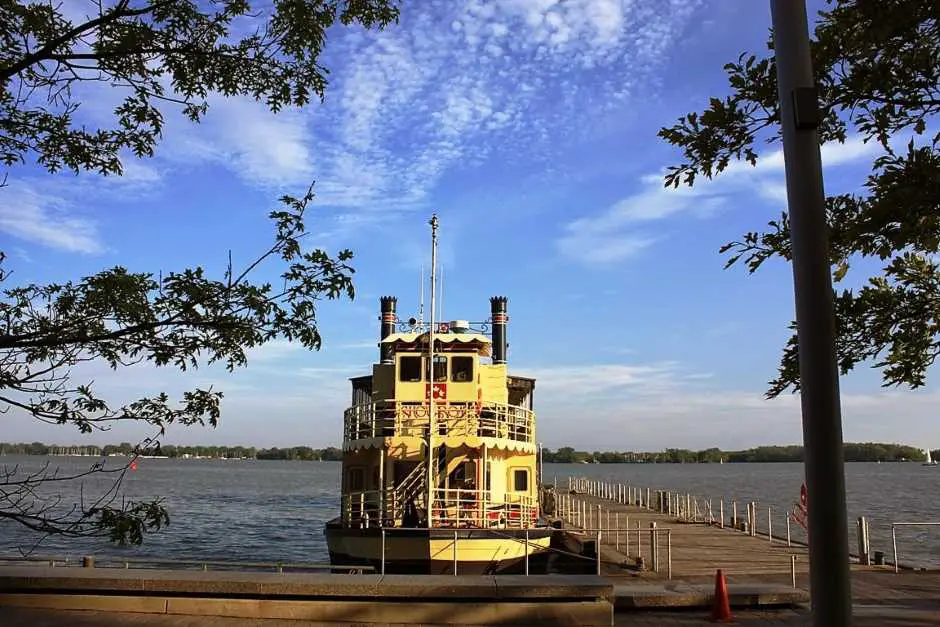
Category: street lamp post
[830,584]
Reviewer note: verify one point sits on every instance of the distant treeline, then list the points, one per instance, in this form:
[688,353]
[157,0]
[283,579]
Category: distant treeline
[854,452]
[125,448]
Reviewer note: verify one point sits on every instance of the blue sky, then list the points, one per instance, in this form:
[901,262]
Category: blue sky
[529,126]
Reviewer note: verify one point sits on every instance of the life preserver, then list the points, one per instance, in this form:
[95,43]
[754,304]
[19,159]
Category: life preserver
[803,497]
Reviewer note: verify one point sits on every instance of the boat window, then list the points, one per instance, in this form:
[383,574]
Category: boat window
[440,368]
[520,480]
[409,369]
[461,369]
[355,479]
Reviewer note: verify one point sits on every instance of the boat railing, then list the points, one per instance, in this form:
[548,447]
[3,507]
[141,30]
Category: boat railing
[477,508]
[369,508]
[457,508]
[401,418]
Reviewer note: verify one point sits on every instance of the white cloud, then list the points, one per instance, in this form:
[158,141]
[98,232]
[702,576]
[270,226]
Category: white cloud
[451,85]
[136,173]
[456,82]
[47,220]
[275,350]
[261,148]
[373,344]
[61,211]
[629,226]
[574,383]
[652,406]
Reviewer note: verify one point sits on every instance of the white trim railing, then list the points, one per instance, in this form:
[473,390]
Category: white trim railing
[401,418]
[458,508]
[477,509]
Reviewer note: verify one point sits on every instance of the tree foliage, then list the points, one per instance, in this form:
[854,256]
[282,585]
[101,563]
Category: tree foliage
[172,451]
[159,54]
[181,320]
[877,68]
[854,452]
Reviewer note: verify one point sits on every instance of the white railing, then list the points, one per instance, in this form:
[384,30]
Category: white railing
[91,561]
[452,508]
[894,536]
[400,418]
[477,508]
[367,508]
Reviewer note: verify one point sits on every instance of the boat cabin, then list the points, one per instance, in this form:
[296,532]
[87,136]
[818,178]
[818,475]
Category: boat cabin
[450,428]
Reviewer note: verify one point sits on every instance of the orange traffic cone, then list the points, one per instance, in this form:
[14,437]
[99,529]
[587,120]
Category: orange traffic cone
[721,605]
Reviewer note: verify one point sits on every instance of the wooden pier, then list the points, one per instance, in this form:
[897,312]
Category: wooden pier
[692,537]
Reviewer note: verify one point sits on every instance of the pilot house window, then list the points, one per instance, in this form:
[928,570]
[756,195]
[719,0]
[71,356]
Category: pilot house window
[354,479]
[440,368]
[461,369]
[409,369]
[520,480]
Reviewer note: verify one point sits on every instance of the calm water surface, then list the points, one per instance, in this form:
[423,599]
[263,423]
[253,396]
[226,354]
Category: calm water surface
[275,510]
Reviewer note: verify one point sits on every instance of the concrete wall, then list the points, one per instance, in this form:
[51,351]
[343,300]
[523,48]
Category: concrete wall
[360,599]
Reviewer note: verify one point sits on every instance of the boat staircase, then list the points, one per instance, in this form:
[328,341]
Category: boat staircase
[412,487]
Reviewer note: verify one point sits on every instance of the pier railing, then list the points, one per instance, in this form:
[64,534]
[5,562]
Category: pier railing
[894,535]
[691,509]
[400,418]
[779,526]
[203,565]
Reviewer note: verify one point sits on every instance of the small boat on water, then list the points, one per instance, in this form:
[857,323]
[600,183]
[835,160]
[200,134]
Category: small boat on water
[929,461]
[441,471]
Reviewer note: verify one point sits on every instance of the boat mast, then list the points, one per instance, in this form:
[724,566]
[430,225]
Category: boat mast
[421,292]
[431,405]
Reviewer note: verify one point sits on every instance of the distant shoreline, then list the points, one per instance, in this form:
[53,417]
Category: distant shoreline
[870,452]
[610,463]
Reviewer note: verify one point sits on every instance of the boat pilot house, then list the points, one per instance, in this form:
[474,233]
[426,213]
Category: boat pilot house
[439,438]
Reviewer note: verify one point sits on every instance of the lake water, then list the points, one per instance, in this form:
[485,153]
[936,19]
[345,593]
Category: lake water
[250,510]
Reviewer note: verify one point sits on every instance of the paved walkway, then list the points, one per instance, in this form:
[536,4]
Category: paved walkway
[882,599]
[864,617]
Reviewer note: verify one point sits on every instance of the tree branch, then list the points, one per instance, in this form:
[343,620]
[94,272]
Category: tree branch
[46,50]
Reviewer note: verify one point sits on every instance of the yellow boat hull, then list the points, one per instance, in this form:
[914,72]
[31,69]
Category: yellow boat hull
[434,551]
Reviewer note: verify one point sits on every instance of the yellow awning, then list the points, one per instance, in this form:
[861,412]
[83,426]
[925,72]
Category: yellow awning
[443,338]
[408,446]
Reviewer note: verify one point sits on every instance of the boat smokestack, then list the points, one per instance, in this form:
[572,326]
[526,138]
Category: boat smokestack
[500,319]
[389,318]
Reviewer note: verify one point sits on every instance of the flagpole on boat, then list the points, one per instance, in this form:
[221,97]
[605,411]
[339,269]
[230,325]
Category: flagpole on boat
[431,405]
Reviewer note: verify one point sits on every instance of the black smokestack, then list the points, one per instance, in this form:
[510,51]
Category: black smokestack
[389,319]
[500,319]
